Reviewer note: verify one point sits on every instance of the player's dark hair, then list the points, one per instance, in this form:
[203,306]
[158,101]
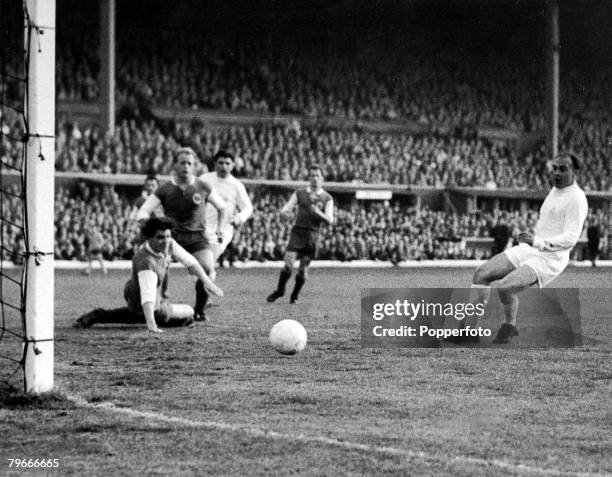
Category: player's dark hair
[576,161]
[154,224]
[222,154]
[152,176]
[573,157]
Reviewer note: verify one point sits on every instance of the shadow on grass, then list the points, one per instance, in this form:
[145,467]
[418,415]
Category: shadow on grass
[13,399]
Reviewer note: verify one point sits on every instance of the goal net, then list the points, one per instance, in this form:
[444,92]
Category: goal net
[27,97]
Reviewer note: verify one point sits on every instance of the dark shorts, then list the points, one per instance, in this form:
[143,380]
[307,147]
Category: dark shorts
[303,241]
[163,310]
[191,241]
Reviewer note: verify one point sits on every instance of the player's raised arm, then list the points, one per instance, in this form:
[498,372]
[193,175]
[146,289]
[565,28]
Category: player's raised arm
[179,254]
[147,208]
[285,212]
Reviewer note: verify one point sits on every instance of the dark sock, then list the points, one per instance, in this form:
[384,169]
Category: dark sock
[283,278]
[231,253]
[201,298]
[300,279]
[176,322]
[120,315]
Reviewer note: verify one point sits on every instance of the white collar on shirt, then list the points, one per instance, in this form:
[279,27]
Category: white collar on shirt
[191,182]
[573,185]
[153,252]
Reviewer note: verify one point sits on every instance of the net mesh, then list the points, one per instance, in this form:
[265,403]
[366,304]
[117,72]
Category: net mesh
[13,140]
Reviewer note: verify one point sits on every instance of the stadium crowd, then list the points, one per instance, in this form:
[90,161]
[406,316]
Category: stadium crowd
[283,152]
[434,81]
[87,209]
[425,75]
[449,88]
[375,231]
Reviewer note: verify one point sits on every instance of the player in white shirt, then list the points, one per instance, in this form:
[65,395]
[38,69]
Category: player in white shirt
[238,206]
[540,257]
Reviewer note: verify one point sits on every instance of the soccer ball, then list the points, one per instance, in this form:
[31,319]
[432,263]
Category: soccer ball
[288,337]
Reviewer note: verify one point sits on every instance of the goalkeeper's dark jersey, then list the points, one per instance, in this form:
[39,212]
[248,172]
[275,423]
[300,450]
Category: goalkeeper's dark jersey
[146,259]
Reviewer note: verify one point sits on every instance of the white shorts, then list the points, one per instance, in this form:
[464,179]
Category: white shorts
[219,247]
[546,265]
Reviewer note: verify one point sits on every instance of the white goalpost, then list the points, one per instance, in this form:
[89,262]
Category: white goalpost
[40,191]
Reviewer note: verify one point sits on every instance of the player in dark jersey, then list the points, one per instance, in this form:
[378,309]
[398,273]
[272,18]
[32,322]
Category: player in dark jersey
[143,291]
[183,200]
[314,207]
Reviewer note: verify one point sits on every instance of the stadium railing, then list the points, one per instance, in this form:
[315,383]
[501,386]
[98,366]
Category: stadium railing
[597,197]
[90,112]
[462,198]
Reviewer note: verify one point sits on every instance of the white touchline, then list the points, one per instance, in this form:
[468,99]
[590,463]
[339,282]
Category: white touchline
[255,432]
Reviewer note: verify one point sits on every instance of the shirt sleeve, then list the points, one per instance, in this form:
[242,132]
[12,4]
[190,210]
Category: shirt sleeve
[181,255]
[572,228]
[147,281]
[215,199]
[148,207]
[291,203]
[329,210]
[244,204]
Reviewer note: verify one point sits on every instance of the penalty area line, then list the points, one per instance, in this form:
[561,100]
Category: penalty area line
[328,441]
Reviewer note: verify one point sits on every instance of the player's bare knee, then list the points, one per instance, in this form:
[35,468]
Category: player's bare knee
[288,266]
[481,276]
[507,287]
[289,260]
[203,264]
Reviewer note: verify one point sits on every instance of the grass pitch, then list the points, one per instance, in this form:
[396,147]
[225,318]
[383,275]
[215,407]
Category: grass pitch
[215,399]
